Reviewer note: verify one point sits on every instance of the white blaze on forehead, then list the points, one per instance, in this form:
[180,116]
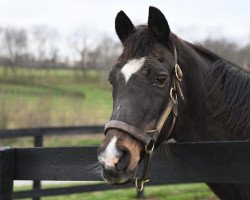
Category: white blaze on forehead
[132,67]
[111,155]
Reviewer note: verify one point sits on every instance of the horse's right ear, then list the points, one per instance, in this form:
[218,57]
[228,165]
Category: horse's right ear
[158,25]
[123,26]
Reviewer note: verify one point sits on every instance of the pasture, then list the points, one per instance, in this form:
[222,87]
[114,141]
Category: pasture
[35,99]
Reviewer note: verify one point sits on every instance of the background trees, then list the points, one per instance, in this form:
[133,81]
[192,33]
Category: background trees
[44,47]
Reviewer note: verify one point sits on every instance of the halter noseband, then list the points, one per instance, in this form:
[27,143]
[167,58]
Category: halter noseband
[149,138]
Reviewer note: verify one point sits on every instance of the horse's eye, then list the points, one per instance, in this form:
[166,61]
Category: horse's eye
[161,80]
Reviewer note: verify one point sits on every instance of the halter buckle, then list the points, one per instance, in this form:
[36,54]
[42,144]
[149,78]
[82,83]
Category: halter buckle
[178,72]
[141,187]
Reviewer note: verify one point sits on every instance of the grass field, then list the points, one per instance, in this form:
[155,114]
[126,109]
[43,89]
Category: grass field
[18,109]
[35,111]
[21,110]
[40,74]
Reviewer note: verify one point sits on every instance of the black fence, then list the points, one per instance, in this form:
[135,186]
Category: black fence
[214,162]
[38,135]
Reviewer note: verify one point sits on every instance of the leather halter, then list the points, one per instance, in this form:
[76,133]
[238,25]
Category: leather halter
[149,138]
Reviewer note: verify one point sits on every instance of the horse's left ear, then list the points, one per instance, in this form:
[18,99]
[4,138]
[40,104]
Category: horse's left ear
[123,26]
[158,25]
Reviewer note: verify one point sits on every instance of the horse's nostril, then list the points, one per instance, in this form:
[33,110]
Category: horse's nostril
[124,159]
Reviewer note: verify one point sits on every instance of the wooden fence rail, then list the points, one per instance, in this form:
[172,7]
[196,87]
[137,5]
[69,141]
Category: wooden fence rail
[33,132]
[38,135]
[214,162]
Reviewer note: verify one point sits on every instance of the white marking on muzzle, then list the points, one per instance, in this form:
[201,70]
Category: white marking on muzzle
[110,156]
[132,67]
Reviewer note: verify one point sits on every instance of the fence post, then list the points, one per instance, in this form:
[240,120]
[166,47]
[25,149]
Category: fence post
[38,142]
[6,172]
[140,194]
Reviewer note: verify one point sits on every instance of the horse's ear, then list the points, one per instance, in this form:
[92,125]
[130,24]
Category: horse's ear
[123,26]
[158,25]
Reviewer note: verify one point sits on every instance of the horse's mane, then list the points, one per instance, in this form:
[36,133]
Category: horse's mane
[233,106]
[134,43]
[141,43]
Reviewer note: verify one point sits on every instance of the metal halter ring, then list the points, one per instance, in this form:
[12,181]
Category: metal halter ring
[147,150]
[142,184]
[173,94]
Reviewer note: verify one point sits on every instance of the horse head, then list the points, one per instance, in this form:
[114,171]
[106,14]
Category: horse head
[145,83]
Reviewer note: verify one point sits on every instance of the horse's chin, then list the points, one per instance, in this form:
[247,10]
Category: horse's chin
[124,183]
[121,178]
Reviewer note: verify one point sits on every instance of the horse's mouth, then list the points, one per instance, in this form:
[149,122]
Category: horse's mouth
[120,178]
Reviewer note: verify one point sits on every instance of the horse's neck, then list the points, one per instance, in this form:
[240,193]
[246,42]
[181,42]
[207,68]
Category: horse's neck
[194,121]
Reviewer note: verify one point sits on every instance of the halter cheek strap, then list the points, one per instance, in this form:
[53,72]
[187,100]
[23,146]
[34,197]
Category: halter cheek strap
[146,138]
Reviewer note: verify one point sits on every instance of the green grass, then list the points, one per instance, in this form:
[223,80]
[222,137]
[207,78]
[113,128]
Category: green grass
[164,192]
[19,110]
[35,111]
[72,141]
[66,74]
[55,141]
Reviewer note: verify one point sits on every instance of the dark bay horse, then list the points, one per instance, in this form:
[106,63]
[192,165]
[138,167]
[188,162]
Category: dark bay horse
[157,75]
